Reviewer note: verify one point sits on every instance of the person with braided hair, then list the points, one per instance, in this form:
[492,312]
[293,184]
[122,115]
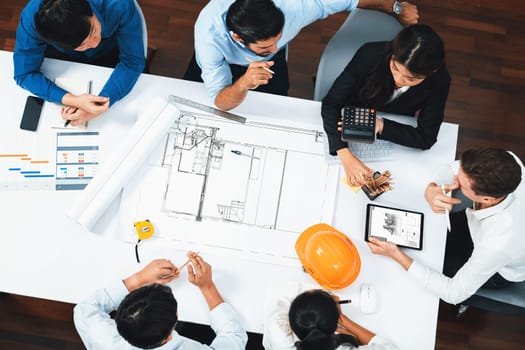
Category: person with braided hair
[314,321]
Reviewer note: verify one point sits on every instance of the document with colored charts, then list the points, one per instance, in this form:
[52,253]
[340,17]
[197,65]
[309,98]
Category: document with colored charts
[60,161]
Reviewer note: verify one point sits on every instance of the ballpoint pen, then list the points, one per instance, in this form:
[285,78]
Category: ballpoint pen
[239,153]
[69,120]
[344,301]
[446,210]
[265,68]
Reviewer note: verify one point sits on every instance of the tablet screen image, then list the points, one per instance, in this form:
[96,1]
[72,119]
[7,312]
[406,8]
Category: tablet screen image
[401,227]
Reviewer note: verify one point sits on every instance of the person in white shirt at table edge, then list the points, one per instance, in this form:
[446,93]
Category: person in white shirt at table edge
[486,245]
[313,320]
[146,317]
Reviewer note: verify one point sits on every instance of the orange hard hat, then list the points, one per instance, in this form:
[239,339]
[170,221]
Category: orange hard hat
[329,256]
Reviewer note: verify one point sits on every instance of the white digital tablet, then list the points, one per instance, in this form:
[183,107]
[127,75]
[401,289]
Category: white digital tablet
[399,226]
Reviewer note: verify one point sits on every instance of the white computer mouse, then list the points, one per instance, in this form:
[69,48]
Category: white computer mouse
[368,299]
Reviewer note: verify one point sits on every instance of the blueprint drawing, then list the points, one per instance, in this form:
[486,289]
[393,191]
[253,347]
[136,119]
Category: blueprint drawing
[223,184]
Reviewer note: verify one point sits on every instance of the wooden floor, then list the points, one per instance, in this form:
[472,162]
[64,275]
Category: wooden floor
[486,57]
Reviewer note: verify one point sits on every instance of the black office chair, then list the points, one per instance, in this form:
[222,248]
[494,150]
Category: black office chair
[508,300]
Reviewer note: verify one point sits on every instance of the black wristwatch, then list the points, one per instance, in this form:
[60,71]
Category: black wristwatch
[397,8]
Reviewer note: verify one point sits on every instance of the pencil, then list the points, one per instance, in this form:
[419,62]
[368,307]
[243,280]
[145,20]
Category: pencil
[265,68]
[187,262]
[179,268]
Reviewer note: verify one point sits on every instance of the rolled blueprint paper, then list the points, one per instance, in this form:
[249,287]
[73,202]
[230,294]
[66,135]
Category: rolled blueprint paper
[112,176]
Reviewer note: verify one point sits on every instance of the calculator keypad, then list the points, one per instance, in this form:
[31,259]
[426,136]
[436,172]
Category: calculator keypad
[359,118]
[359,124]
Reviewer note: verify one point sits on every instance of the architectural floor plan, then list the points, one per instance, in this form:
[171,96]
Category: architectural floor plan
[246,188]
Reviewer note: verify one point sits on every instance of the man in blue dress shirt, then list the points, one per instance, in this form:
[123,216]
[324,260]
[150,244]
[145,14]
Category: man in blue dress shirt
[91,31]
[240,44]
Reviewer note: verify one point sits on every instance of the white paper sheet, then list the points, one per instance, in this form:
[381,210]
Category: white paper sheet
[245,191]
[113,174]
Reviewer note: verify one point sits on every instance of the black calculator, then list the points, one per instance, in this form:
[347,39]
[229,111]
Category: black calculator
[359,124]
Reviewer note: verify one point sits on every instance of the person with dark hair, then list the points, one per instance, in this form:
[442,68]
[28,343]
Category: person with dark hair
[240,45]
[485,246]
[146,317]
[314,321]
[405,76]
[102,32]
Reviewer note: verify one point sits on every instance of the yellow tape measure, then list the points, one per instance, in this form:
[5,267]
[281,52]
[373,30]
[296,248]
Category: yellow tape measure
[144,229]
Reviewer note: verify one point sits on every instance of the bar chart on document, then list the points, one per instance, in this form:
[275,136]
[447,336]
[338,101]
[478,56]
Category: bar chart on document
[54,161]
[76,159]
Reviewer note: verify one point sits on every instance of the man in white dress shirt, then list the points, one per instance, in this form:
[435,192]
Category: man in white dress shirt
[486,243]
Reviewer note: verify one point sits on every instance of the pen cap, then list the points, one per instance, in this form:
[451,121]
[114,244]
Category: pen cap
[329,256]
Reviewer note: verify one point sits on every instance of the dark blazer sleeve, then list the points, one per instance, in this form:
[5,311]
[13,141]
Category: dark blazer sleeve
[345,91]
[429,99]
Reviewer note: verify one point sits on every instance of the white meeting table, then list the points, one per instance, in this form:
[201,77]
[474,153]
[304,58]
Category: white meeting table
[45,254]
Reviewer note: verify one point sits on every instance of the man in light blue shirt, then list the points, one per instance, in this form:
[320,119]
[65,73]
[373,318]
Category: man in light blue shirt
[239,44]
[87,31]
[145,318]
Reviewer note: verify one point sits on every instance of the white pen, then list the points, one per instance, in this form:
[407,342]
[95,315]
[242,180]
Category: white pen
[446,210]
[265,68]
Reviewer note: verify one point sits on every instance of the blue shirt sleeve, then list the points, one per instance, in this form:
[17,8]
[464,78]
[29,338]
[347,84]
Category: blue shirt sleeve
[28,58]
[117,17]
[128,28]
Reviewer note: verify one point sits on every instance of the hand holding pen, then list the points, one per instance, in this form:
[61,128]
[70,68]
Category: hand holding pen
[265,65]
[438,199]
[258,73]
[79,109]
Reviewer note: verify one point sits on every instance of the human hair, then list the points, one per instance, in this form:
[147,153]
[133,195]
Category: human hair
[492,172]
[65,23]
[147,316]
[313,317]
[418,48]
[254,20]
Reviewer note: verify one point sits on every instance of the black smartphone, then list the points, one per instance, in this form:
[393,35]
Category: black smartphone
[31,114]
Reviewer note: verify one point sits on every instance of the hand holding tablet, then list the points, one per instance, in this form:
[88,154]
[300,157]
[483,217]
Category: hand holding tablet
[399,226]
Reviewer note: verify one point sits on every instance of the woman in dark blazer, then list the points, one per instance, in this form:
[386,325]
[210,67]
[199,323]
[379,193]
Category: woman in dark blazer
[405,76]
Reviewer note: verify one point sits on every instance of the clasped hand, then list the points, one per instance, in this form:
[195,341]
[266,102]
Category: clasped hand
[80,109]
